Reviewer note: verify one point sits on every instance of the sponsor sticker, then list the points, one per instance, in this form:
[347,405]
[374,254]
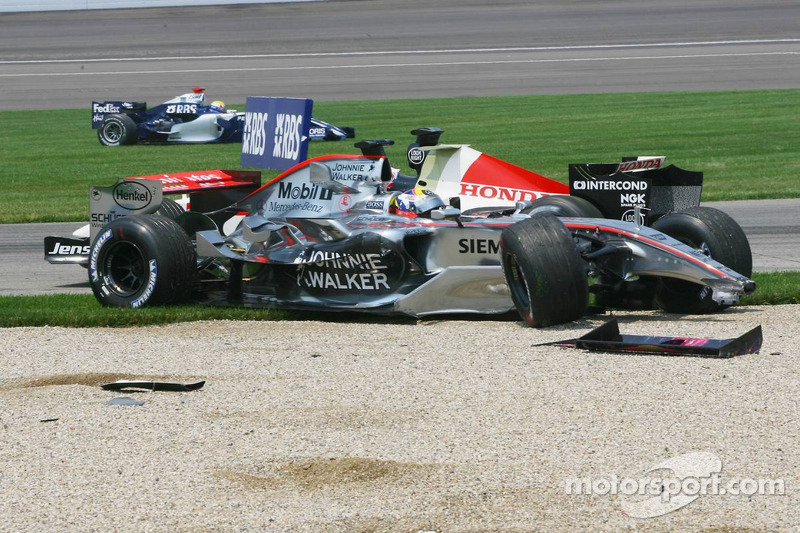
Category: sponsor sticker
[416,156]
[303,191]
[478,246]
[181,109]
[60,248]
[108,107]
[344,271]
[131,195]
[498,193]
[345,202]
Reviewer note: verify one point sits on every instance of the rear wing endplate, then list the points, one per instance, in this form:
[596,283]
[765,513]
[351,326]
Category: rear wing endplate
[102,109]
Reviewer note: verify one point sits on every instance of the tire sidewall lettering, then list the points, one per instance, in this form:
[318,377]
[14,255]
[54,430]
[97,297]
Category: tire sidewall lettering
[152,278]
[96,248]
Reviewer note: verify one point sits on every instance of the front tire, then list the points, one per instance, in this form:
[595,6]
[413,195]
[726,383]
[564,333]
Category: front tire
[142,260]
[718,236]
[117,130]
[544,271]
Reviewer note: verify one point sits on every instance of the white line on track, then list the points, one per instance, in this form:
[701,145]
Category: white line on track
[401,65]
[409,52]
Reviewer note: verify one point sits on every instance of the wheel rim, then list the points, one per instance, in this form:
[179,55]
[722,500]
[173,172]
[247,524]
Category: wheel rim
[112,132]
[125,269]
[518,285]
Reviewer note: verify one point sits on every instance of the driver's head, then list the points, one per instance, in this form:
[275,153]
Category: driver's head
[217,106]
[416,202]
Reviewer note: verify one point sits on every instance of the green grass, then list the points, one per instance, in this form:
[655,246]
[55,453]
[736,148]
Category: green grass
[82,310]
[745,142]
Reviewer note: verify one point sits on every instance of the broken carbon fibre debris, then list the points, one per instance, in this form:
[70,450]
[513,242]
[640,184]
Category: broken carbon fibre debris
[125,384]
[607,338]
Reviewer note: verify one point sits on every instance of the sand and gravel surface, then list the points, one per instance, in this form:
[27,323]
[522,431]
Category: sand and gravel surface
[434,426]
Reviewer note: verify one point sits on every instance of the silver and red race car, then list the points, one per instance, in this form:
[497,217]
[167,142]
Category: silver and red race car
[468,233]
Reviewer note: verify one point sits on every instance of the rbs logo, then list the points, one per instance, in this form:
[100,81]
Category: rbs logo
[254,140]
[179,109]
[287,136]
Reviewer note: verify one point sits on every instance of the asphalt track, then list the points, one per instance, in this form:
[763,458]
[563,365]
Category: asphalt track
[374,49]
[378,49]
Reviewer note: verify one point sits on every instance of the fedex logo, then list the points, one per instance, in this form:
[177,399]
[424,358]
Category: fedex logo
[105,108]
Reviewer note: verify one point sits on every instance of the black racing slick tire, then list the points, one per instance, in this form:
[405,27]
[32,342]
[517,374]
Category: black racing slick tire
[117,130]
[718,236]
[170,209]
[142,260]
[565,206]
[545,273]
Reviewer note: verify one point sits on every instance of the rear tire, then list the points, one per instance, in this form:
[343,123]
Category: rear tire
[117,130]
[565,206]
[718,236]
[544,271]
[170,209]
[142,260]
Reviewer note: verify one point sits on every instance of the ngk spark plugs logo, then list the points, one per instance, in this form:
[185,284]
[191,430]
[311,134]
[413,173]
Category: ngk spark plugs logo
[274,135]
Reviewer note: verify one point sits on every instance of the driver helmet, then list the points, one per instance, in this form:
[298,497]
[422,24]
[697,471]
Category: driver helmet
[218,106]
[417,202]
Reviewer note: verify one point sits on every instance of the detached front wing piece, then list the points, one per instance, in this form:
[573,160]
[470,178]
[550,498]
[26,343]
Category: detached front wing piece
[607,338]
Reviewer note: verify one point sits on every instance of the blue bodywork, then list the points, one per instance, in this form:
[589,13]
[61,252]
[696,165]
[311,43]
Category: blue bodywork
[187,119]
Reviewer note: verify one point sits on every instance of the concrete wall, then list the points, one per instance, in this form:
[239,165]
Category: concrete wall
[10,6]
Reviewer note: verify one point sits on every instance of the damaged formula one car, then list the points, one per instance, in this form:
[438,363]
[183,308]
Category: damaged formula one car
[348,232]
[184,119]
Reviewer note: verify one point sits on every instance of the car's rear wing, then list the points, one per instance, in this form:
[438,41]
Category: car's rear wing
[101,109]
[139,195]
[618,189]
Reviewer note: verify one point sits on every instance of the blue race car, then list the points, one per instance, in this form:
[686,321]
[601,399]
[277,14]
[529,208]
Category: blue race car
[184,119]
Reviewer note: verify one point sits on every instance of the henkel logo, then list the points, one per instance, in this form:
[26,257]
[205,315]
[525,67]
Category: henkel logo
[498,193]
[130,195]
